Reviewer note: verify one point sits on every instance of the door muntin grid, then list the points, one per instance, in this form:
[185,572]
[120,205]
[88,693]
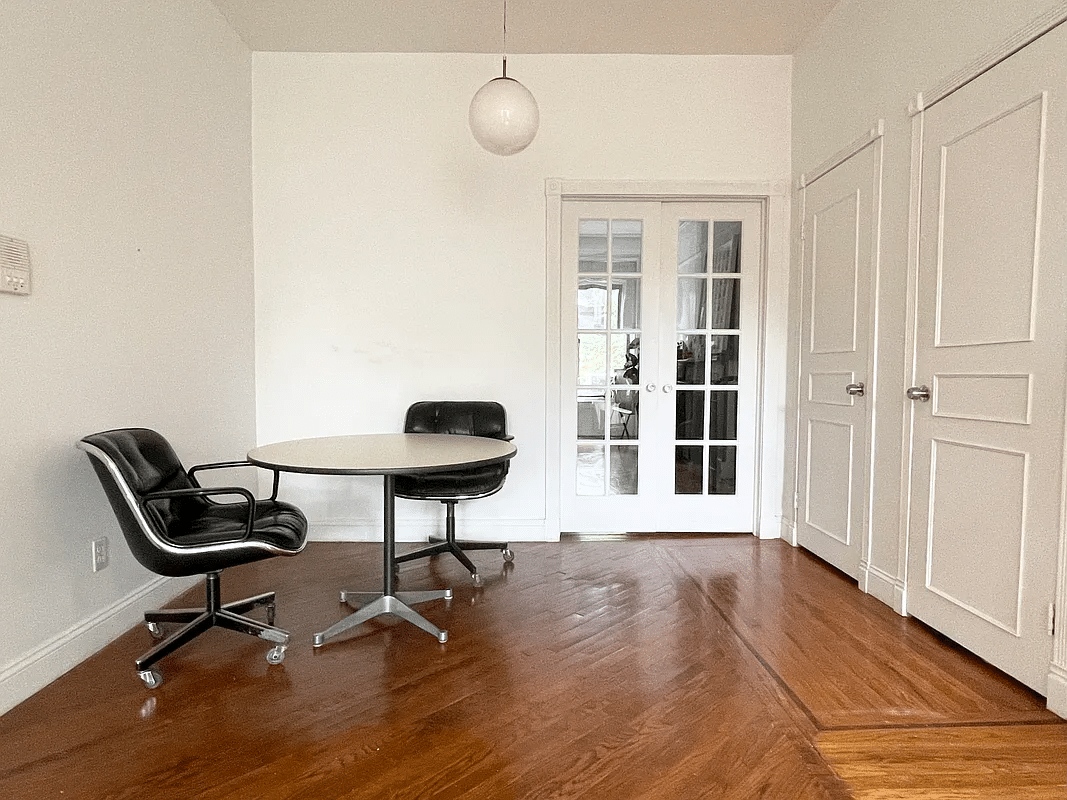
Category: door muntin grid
[608,306]
[708,335]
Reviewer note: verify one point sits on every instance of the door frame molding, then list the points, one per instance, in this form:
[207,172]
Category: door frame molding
[772,323]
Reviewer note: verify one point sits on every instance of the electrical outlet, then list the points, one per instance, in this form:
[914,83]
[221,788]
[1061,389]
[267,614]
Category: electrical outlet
[100,553]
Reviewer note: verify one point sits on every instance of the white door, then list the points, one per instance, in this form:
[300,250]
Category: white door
[986,475]
[659,359]
[840,217]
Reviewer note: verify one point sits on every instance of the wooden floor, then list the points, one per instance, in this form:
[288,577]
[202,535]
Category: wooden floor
[717,667]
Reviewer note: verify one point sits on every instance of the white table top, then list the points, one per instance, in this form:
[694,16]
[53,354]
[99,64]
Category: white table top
[382,453]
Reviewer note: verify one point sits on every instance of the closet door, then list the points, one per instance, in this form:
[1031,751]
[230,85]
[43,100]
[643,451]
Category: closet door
[988,399]
[840,227]
[659,360]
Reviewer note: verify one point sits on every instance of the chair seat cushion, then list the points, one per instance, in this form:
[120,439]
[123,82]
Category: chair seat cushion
[274,523]
[475,482]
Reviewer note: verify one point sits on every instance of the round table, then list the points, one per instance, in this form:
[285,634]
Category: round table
[388,455]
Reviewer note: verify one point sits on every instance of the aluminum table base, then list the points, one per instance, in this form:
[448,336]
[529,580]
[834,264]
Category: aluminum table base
[386,604]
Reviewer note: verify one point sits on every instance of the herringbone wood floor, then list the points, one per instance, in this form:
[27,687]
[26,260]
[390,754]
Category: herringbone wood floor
[655,667]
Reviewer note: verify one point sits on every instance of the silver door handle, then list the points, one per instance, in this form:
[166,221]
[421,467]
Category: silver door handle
[856,389]
[919,393]
[650,388]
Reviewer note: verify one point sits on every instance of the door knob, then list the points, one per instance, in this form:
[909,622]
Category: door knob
[667,388]
[856,389]
[919,393]
[650,388]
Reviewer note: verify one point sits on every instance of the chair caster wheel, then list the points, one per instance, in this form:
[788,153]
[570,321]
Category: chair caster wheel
[155,629]
[476,579]
[509,556]
[151,678]
[442,637]
[276,655]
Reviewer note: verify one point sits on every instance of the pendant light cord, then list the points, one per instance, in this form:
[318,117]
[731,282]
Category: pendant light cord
[505,53]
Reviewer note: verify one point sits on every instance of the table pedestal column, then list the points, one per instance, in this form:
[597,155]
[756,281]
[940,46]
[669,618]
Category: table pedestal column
[388,601]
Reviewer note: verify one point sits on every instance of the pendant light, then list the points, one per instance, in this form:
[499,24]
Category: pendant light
[503,114]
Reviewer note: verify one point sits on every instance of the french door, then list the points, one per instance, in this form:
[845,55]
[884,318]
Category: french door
[659,365]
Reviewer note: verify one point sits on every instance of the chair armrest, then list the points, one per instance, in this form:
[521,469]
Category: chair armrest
[232,464]
[250,501]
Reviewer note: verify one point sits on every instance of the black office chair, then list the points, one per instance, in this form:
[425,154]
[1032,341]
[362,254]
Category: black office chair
[466,418]
[174,527]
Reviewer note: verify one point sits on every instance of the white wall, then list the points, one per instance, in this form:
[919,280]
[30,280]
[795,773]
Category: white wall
[126,165]
[396,260]
[867,62]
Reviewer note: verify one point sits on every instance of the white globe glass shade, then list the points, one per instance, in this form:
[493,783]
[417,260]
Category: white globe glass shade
[504,116]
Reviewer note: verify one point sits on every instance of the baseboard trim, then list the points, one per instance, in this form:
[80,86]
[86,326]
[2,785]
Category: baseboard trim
[1057,690]
[420,530]
[34,670]
[884,587]
[789,531]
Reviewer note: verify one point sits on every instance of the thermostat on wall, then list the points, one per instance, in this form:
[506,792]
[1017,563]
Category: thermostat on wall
[14,266]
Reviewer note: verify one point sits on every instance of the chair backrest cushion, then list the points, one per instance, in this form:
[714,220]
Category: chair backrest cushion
[464,417]
[146,460]
[146,463]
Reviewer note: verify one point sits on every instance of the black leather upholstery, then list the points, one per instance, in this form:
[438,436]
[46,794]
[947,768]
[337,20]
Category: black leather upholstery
[466,418]
[462,418]
[176,527]
[198,535]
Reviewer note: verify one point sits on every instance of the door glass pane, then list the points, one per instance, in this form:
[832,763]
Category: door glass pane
[623,470]
[722,416]
[591,407]
[690,353]
[689,415]
[625,303]
[692,303]
[727,247]
[591,470]
[688,469]
[625,415]
[592,304]
[722,469]
[593,245]
[723,356]
[726,303]
[592,359]
[626,245]
[692,247]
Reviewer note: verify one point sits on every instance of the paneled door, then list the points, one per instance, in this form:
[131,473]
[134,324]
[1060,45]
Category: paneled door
[659,358]
[988,399]
[840,235]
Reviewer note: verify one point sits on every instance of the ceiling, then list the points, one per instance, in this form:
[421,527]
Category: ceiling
[684,27]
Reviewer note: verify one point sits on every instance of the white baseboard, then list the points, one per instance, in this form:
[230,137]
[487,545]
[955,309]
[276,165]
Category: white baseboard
[1057,690]
[36,669]
[772,526]
[420,530]
[788,531]
[883,586]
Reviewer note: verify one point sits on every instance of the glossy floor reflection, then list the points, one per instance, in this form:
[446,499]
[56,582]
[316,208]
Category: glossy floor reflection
[684,667]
